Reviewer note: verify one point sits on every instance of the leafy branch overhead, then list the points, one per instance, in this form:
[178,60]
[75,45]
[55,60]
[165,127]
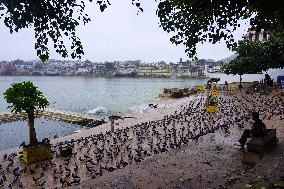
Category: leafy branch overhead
[190,21]
[51,19]
[195,21]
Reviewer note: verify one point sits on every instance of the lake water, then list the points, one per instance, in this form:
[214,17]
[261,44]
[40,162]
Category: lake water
[13,134]
[84,95]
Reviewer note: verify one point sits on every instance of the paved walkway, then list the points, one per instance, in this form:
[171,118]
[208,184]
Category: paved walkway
[212,162]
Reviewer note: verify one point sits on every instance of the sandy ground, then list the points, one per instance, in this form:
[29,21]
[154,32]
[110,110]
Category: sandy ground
[211,161]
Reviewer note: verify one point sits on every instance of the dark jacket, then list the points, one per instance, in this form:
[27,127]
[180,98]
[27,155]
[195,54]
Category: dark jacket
[258,129]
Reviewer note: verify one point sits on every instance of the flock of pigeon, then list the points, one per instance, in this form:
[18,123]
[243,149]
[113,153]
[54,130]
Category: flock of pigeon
[109,151]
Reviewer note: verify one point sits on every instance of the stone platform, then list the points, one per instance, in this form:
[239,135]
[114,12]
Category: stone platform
[257,147]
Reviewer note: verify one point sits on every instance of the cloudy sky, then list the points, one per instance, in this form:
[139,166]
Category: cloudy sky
[116,34]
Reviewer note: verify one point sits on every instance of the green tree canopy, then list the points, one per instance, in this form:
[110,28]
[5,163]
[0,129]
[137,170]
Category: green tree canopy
[256,56]
[18,61]
[193,69]
[109,65]
[219,63]
[212,80]
[201,62]
[190,21]
[25,97]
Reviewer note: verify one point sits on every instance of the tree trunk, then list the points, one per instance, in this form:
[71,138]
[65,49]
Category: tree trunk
[33,139]
[112,125]
[240,87]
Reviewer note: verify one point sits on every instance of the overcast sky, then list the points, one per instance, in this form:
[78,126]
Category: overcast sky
[116,34]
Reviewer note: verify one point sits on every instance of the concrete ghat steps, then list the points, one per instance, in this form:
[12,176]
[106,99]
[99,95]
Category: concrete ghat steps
[64,117]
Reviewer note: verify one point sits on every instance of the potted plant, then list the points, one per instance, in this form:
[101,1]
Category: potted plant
[25,97]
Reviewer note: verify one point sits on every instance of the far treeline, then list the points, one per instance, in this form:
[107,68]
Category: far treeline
[190,22]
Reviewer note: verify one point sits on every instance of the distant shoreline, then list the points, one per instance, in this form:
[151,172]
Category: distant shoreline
[94,76]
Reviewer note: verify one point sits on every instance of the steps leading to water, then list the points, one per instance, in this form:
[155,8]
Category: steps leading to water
[48,114]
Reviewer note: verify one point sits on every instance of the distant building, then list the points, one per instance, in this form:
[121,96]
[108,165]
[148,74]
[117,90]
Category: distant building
[174,66]
[26,66]
[213,69]
[254,35]
[154,71]
[125,71]
[201,70]
[82,70]
[184,63]
[8,69]
[99,66]
[186,73]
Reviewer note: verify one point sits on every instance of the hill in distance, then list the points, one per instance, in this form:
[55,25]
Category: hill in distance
[228,59]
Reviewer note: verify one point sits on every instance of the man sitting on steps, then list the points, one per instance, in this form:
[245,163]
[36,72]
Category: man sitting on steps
[258,129]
